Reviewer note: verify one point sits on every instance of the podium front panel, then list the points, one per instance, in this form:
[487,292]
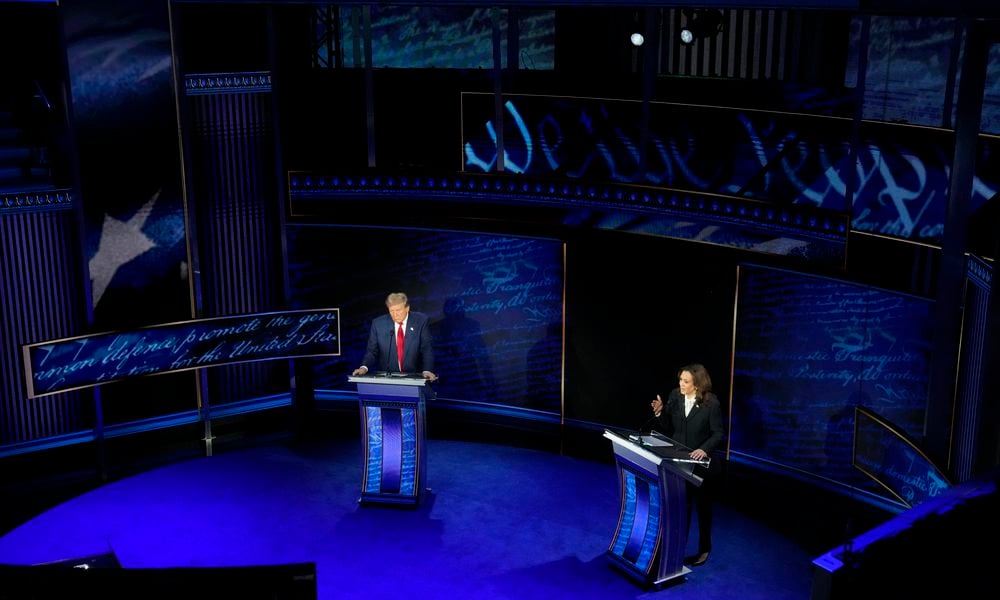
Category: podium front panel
[651,535]
[637,537]
[392,427]
[391,465]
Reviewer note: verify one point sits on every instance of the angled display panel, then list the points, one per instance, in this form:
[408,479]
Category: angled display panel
[84,361]
[894,461]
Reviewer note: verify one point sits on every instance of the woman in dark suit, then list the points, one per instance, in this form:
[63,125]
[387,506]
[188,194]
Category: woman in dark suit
[692,417]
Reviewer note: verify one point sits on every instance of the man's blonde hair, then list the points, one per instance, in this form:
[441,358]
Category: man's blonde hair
[396,298]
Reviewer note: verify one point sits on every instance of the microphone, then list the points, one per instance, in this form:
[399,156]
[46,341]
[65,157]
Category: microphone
[647,422]
[637,437]
[391,354]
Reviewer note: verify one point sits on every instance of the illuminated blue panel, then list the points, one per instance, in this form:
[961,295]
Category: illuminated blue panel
[373,470]
[648,552]
[408,475]
[628,514]
[640,522]
[638,530]
[391,468]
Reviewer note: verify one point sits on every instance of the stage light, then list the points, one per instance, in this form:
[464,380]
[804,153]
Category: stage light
[637,39]
[700,23]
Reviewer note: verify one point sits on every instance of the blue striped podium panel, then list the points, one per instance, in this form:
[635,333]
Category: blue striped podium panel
[653,470]
[392,431]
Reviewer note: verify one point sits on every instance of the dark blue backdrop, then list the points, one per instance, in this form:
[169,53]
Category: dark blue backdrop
[495,304]
[807,351]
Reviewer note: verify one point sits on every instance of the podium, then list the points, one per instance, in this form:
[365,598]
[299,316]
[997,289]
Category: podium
[392,431]
[651,536]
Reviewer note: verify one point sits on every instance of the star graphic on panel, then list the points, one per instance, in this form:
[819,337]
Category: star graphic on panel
[121,241]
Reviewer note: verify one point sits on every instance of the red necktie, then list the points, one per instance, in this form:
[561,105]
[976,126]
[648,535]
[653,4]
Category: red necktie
[399,346]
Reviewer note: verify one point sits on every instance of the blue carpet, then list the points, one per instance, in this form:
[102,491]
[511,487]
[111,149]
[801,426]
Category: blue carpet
[499,522]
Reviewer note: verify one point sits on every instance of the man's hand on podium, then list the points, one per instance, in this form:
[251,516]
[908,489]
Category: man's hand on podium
[360,371]
[429,376]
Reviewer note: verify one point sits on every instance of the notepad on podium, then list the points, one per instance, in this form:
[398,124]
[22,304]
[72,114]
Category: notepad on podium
[651,440]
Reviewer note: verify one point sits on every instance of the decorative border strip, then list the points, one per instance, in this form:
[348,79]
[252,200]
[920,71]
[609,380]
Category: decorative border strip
[227,83]
[14,202]
[979,272]
[800,219]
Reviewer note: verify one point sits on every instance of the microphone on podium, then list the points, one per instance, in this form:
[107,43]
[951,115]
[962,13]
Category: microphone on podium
[646,424]
[644,428]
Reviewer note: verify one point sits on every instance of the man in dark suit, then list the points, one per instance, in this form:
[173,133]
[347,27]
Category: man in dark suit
[692,417]
[399,342]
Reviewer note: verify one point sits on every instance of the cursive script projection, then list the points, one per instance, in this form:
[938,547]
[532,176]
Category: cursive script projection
[909,64]
[443,37]
[510,294]
[61,365]
[808,350]
[494,304]
[891,459]
[901,175]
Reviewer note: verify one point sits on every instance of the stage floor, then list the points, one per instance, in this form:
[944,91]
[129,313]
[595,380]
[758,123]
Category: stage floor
[499,522]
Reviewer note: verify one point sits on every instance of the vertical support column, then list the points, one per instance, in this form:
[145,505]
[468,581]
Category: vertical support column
[366,13]
[989,437]
[235,197]
[973,370]
[650,71]
[950,288]
[498,112]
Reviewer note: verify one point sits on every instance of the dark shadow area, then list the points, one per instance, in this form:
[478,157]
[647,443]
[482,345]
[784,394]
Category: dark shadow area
[909,557]
[268,582]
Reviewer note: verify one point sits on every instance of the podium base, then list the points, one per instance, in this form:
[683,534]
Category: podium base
[423,501]
[669,578]
[639,577]
[393,500]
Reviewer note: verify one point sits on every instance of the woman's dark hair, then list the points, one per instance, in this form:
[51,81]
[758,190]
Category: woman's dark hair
[699,377]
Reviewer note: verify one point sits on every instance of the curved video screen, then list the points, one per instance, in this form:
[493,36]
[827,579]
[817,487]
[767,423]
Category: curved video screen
[494,304]
[808,351]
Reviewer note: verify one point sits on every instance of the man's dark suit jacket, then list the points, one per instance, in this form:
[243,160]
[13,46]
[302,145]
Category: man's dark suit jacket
[418,355]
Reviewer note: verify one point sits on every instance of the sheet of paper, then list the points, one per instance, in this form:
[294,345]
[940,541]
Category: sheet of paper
[655,441]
